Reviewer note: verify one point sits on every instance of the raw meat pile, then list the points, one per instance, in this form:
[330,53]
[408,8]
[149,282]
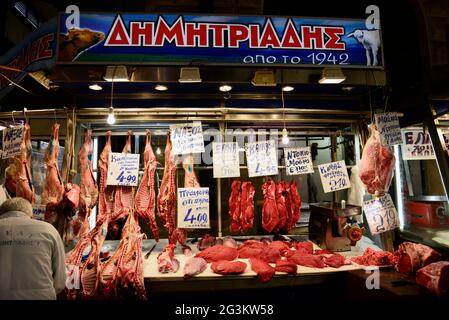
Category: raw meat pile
[377,164]
[410,258]
[241,206]
[281,206]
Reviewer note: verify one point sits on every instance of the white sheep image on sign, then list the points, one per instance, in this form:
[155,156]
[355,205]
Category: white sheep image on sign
[370,40]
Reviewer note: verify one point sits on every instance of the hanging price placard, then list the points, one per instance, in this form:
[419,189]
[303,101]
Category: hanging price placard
[334,176]
[262,158]
[381,214]
[388,126]
[193,208]
[417,145]
[12,140]
[123,169]
[298,161]
[187,138]
[226,159]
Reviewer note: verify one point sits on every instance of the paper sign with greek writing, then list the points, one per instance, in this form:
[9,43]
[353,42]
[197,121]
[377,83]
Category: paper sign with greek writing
[193,208]
[226,159]
[388,126]
[445,139]
[298,161]
[187,138]
[12,139]
[381,214]
[334,176]
[417,145]
[261,158]
[123,169]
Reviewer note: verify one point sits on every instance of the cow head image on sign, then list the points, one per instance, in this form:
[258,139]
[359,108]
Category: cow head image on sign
[76,41]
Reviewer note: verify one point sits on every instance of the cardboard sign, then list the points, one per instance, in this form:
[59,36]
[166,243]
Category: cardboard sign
[381,214]
[261,158]
[334,176]
[123,169]
[417,145]
[226,159]
[298,161]
[12,140]
[193,208]
[187,138]
[388,126]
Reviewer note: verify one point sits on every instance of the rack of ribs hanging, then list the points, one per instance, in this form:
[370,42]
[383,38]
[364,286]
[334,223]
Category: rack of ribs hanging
[24,187]
[123,200]
[53,192]
[166,200]
[145,200]
[88,187]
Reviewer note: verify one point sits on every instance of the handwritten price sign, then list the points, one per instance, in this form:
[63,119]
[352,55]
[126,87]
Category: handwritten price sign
[381,214]
[417,145]
[262,158]
[334,176]
[193,208]
[298,161]
[226,159]
[388,126]
[123,169]
[12,140]
[187,138]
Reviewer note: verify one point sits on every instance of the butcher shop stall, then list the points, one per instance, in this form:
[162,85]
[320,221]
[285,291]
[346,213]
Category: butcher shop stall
[189,155]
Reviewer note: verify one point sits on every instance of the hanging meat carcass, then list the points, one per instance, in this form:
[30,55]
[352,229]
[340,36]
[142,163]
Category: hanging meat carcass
[270,215]
[123,199]
[24,186]
[377,164]
[106,197]
[53,187]
[145,200]
[247,206]
[88,186]
[234,206]
[166,200]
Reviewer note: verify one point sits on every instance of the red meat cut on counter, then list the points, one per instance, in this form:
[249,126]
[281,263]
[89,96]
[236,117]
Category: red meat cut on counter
[412,256]
[372,257]
[334,260]
[217,253]
[434,277]
[206,241]
[305,247]
[282,246]
[377,164]
[270,215]
[307,260]
[194,266]
[264,271]
[166,260]
[228,267]
[286,266]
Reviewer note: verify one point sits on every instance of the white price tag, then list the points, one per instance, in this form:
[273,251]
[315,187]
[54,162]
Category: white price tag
[193,208]
[417,145]
[261,158]
[123,169]
[12,140]
[334,176]
[187,138]
[381,214]
[226,159]
[388,126]
[298,161]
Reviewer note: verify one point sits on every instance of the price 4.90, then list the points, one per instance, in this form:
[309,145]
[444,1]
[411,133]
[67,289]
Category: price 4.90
[126,179]
[200,218]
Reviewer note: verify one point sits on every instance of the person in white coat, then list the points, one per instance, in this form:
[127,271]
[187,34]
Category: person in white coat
[8,189]
[32,256]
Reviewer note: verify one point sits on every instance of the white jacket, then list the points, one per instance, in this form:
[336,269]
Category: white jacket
[32,258]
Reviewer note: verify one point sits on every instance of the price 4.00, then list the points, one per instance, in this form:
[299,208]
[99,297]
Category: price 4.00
[199,218]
